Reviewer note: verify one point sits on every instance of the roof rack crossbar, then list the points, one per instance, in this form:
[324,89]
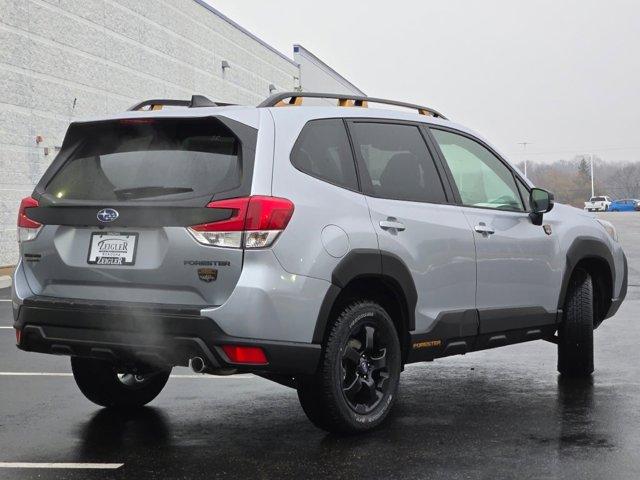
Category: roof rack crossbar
[343,100]
[197,101]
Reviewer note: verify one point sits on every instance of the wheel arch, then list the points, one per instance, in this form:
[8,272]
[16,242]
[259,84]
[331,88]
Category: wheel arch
[379,276]
[594,256]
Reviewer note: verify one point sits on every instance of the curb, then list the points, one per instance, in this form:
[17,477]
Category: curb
[5,281]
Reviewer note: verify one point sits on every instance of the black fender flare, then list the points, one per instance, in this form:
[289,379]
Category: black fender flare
[360,263]
[584,248]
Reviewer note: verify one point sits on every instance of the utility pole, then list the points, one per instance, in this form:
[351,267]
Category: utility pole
[524,148]
[592,191]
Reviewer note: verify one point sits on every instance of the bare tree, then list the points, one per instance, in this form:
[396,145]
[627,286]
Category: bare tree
[624,181]
[570,180]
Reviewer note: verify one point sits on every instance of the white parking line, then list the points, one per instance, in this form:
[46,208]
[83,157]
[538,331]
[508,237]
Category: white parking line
[6,328]
[5,300]
[91,466]
[195,375]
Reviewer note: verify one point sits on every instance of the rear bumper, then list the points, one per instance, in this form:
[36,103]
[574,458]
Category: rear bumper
[145,334]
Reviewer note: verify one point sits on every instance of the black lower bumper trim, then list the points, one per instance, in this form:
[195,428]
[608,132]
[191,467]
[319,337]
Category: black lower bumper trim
[157,337]
[616,302]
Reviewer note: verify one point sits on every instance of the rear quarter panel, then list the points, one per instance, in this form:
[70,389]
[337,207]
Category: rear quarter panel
[328,220]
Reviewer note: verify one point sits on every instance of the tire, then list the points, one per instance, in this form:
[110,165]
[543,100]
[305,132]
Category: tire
[575,335]
[357,379]
[101,383]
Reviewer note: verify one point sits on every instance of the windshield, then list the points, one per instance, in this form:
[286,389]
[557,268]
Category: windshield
[149,159]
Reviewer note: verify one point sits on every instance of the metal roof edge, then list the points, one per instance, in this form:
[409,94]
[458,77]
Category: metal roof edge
[326,67]
[245,31]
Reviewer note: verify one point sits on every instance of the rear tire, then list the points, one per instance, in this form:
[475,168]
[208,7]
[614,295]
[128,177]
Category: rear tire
[359,371]
[101,383]
[575,335]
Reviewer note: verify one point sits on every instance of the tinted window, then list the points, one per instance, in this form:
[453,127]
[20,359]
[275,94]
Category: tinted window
[396,162]
[323,151]
[482,179]
[149,159]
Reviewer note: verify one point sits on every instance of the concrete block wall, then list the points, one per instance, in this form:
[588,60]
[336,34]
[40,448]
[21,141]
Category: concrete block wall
[64,59]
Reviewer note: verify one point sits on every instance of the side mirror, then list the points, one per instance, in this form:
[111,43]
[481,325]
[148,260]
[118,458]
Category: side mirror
[541,202]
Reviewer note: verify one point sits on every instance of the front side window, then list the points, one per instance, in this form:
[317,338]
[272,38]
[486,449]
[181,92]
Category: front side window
[323,151]
[397,163]
[482,179]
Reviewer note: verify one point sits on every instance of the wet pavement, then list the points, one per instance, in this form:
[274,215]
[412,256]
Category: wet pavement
[501,413]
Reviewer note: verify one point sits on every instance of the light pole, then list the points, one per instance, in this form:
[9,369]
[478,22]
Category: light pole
[524,148]
[592,191]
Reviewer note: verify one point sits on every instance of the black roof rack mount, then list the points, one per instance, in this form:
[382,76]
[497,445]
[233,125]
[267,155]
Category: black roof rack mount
[197,101]
[291,99]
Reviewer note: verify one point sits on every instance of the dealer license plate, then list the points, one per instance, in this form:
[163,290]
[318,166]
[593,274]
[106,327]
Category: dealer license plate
[112,248]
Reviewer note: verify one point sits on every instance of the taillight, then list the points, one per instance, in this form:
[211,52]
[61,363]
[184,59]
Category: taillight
[27,229]
[255,222]
[247,355]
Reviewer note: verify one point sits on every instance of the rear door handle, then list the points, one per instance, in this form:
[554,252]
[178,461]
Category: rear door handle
[484,229]
[392,224]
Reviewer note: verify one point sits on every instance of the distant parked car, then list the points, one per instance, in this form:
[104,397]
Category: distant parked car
[598,204]
[626,205]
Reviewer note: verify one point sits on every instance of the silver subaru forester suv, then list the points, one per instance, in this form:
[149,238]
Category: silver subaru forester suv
[322,247]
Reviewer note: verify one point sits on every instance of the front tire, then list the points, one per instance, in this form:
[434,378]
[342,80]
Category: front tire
[575,335]
[101,383]
[359,371]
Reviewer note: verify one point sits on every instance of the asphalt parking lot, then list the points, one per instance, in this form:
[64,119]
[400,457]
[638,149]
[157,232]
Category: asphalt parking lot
[496,414]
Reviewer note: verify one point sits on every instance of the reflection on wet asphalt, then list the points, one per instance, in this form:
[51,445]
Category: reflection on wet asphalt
[495,414]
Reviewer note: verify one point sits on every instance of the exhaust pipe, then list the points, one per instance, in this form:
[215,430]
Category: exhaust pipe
[197,364]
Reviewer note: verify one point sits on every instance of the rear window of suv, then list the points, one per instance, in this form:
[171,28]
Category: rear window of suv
[323,151]
[149,159]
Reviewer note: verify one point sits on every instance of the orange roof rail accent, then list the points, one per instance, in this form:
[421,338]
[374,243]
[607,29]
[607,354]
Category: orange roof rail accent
[293,102]
[343,100]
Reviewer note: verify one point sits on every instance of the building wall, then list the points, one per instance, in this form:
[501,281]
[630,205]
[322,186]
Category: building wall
[63,59]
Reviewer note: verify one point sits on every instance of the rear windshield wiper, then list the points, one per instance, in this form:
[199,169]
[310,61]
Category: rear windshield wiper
[148,191]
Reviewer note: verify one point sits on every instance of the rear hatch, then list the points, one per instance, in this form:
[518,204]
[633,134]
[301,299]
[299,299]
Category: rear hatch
[116,204]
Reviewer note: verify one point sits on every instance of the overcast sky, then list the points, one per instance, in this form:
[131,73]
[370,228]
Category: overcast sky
[561,74]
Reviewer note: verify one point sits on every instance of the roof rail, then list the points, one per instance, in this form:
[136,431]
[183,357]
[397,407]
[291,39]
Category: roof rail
[290,99]
[197,101]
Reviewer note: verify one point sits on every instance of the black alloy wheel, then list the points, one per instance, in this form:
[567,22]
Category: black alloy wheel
[357,380]
[364,369]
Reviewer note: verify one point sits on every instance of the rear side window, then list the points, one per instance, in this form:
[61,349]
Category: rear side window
[323,151]
[150,159]
[397,162]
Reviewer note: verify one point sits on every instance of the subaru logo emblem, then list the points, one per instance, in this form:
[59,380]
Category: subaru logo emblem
[107,215]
